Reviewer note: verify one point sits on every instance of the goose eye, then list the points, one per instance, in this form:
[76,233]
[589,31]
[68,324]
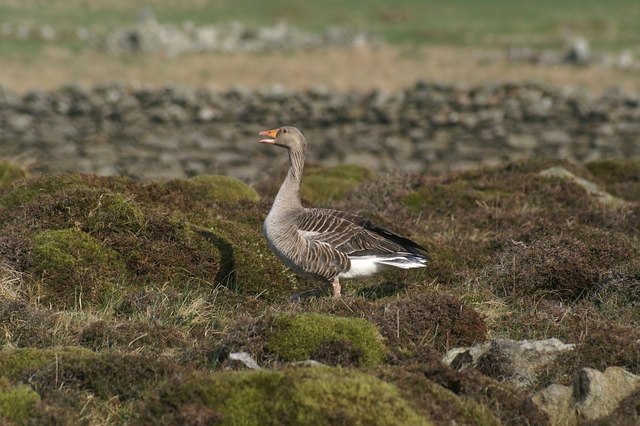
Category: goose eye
[284,130]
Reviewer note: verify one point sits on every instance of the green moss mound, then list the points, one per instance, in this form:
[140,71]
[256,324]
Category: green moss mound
[19,362]
[29,189]
[442,405]
[298,337]
[444,197]
[318,396]
[104,374]
[247,265]
[216,189]
[114,212]
[9,173]
[16,402]
[321,186]
[74,266]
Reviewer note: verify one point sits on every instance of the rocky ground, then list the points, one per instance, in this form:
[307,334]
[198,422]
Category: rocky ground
[158,302]
[179,132]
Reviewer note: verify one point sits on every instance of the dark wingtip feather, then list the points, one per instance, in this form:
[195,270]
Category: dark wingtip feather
[409,245]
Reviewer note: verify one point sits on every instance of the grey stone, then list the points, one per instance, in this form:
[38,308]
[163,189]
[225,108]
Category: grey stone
[591,188]
[592,395]
[578,52]
[518,362]
[428,126]
[245,359]
[19,122]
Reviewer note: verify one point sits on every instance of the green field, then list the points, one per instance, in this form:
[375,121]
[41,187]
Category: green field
[611,24]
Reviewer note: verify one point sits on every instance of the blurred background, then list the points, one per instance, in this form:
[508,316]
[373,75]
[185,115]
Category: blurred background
[163,88]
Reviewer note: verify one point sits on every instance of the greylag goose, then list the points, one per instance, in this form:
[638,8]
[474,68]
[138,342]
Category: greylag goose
[326,244]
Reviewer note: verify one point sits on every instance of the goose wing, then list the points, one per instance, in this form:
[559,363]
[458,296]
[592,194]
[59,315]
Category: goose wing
[353,234]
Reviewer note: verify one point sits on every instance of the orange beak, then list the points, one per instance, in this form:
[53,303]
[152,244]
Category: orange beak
[271,134]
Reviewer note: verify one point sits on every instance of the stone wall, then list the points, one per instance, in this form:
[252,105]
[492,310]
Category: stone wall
[178,131]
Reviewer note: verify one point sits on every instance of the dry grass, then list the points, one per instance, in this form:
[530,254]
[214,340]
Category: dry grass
[387,68]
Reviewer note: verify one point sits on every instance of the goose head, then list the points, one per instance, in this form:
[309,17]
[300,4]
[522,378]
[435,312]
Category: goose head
[285,137]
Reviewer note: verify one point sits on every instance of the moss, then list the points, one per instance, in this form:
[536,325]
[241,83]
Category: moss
[321,186]
[297,337]
[114,212]
[29,189]
[17,363]
[104,374]
[446,197]
[247,265]
[215,189]
[9,173]
[437,403]
[74,266]
[318,396]
[16,402]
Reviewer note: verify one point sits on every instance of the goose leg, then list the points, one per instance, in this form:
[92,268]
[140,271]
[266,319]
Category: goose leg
[336,288]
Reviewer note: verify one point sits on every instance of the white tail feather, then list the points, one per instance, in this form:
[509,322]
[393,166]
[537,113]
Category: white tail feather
[366,266]
[402,262]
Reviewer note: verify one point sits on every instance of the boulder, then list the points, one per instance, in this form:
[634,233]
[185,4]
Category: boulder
[518,362]
[592,395]
[592,189]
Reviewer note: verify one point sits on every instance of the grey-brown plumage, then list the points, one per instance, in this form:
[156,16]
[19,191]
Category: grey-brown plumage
[326,244]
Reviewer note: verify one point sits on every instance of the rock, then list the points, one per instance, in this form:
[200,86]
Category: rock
[522,142]
[597,394]
[245,359]
[579,52]
[592,189]
[591,396]
[426,127]
[557,401]
[150,36]
[518,362]
[19,122]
